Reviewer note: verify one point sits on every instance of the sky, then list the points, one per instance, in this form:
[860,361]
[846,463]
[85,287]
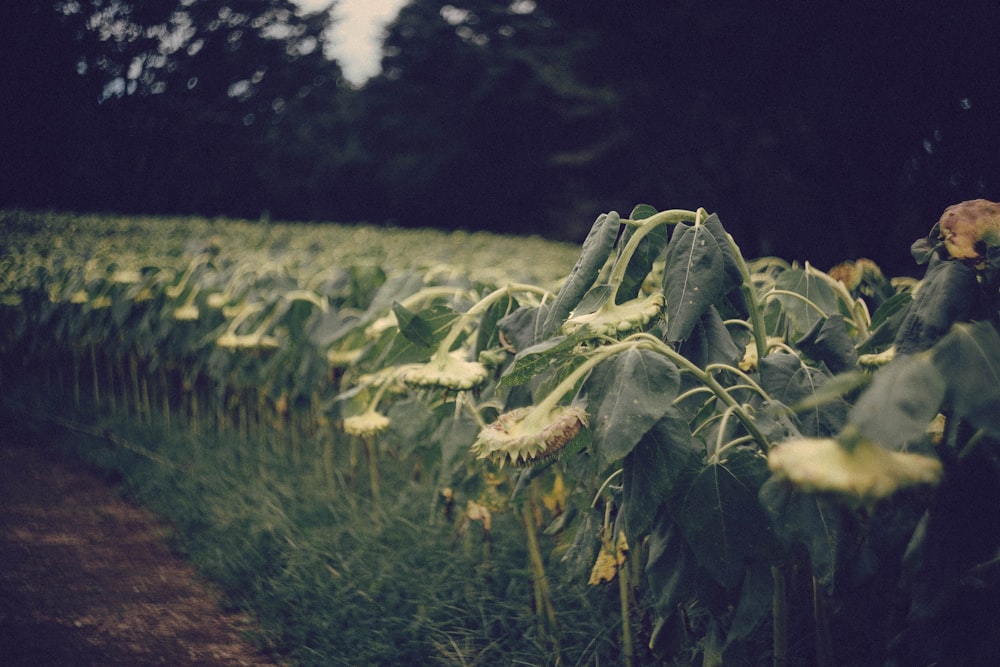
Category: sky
[356,42]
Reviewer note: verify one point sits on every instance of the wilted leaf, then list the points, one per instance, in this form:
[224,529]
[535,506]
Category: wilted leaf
[946,295]
[427,327]
[596,248]
[670,568]
[969,357]
[810,287]
[828,341]
[627,395]
[487,333]
[721,518]
[523,327]
[609,560]
[812,520]
[788,380]
[756,597]
[710,342]
[900,403]
[885,322]
[693,278]
[651,248]
[580,554]
[731,261]
[663,456]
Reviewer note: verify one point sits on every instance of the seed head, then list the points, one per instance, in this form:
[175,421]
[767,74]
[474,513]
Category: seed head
[367,424]
[527,435]
[447,371]
[969,227]
[862,474]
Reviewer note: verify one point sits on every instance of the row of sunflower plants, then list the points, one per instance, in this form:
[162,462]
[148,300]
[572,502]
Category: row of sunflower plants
[756,459]
[771,460]
[223,328]
[289,340]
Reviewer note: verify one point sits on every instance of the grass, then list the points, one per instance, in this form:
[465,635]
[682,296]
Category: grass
[333,578]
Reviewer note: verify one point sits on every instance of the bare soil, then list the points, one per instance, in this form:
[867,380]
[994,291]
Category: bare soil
[87,578]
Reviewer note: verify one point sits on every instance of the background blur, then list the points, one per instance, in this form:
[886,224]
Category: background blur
[818,131]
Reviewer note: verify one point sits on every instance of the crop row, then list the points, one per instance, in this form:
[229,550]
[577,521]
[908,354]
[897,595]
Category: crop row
[738,432]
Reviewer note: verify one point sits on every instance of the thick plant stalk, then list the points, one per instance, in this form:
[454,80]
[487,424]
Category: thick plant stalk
[76,378]
[164,398]
[628,650]
[824,644]
[372,450]
[547,625]
[133,367]
[779,616]
[328,471]
[96,381]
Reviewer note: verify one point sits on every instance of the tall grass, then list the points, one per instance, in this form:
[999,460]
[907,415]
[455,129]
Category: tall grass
[333,578]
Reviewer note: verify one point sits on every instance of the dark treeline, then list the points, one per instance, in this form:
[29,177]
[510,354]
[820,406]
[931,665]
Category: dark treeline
[818,131]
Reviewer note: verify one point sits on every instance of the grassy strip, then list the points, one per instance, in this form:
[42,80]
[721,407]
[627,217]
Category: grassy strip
[332,579]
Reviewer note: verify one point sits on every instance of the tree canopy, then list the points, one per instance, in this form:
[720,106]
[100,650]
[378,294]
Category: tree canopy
[817,132]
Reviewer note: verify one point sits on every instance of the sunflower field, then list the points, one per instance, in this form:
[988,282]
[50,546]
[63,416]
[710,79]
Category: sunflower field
[414,447]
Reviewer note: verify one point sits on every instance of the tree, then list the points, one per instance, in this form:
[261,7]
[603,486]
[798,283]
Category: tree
[181,96]
[799,123]
[476,120]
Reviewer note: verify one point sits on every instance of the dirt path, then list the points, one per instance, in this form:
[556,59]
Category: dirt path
[87,579]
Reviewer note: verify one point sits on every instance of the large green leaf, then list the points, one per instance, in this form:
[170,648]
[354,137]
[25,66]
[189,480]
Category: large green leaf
[791,382]
[711,342]
[531,362]
[427,327]
[969,357]
[828,341]
[812,520]
[693,278]
[670,568]
[730,255]
[664,455]
[721,517]
[596,248]
[809,292]
[626,395]
[901,401]
[947,294]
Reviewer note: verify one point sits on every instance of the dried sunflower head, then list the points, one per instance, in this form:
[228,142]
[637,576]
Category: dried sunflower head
[217,300]
[367,424]
[186,313]
[527,435]
[861,474]
[233,341]
[447,371]
[969,227]
[613,319]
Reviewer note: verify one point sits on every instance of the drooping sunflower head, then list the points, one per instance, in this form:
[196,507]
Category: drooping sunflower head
[614,320]
[528,435]
[367,424]
[860,474]
[446,371]
[969,228]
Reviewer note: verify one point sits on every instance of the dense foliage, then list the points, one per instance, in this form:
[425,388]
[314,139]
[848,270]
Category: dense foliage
[748,460]
[808,128]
